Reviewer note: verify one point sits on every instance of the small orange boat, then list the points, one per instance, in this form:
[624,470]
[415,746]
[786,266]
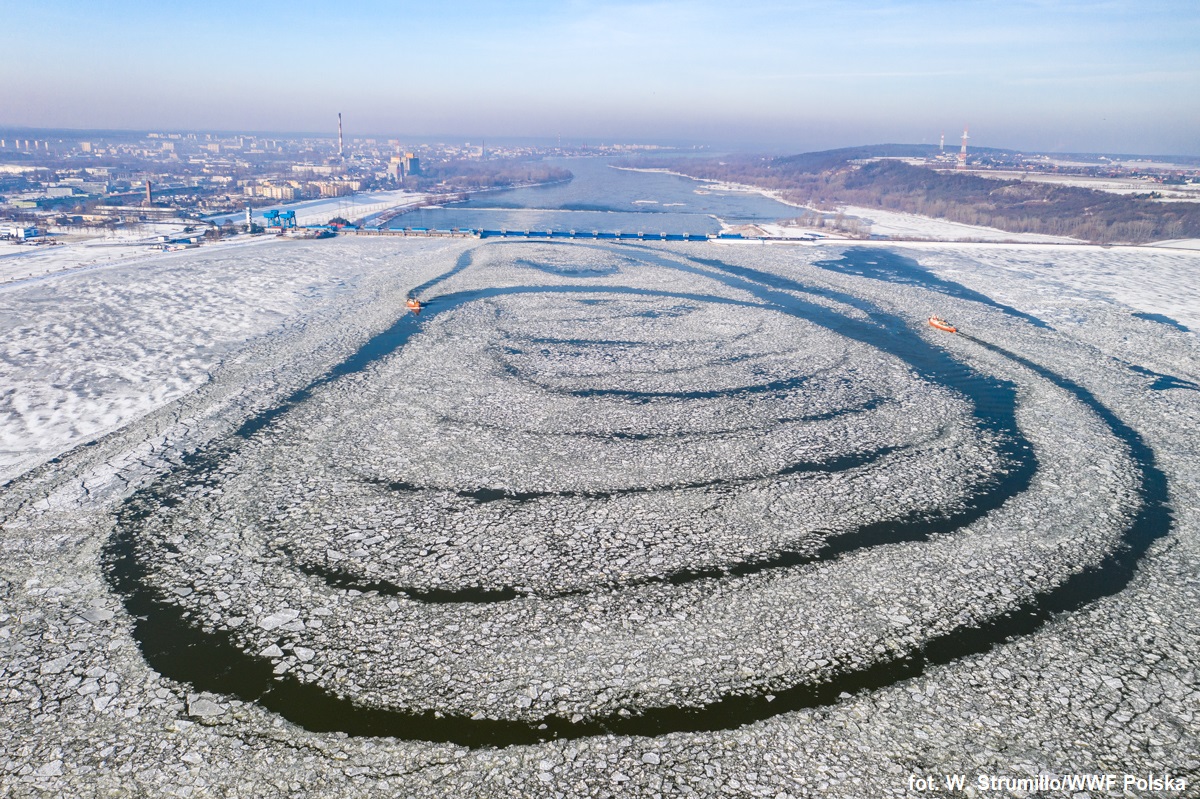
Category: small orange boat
[413,304]
[942,324]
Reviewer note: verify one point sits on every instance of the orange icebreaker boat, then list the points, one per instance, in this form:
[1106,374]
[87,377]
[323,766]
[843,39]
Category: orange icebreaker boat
[414,304]
[942,324]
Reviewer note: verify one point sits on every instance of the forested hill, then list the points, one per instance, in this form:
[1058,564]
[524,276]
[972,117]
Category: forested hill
[1013,205]
[839,177]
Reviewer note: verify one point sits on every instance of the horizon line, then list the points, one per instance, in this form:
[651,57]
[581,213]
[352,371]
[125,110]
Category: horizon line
[332,136]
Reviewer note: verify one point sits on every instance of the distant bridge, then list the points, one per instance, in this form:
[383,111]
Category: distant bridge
[597,235]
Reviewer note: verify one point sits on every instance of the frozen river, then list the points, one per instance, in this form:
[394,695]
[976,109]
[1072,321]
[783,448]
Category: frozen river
[659,519]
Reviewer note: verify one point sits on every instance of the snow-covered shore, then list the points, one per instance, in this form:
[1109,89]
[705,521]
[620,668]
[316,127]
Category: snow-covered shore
[894,224]
[717,185]
[90,350]
[357,206]
[23,263]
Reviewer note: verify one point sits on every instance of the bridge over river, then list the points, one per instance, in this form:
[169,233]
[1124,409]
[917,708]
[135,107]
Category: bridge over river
[572,234]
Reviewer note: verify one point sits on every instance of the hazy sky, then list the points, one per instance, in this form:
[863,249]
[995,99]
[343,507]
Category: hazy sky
[1107,76]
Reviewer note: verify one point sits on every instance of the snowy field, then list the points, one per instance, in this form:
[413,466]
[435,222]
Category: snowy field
[911,226]
[87,352]
[360,206]
[1189,192]
[89,247]
[604,519]
[710,186]
[1180,244]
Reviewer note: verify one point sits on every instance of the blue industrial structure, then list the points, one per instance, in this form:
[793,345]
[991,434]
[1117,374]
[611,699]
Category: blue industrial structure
[282,220]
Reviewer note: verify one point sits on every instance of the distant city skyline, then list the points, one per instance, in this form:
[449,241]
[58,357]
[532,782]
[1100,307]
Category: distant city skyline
[1054,76]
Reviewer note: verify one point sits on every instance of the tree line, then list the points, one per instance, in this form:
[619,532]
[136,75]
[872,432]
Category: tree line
[474,175]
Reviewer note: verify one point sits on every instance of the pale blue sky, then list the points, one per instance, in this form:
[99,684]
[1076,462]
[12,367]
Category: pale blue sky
[1115,76]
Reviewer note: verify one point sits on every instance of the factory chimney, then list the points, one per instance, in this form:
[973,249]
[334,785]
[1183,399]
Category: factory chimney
[341,156]
[962,154]
[249,220]
[149,196]
[942,146]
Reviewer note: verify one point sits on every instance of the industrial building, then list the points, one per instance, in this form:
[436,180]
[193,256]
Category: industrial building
[19,232]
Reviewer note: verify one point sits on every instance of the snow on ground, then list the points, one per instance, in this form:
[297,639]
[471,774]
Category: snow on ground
[716,185]
[23,262]
[911,226]
[318,212]
[723,186]
[1189,192]
[94,247]
[800,232]
[1179,244]
[87,352]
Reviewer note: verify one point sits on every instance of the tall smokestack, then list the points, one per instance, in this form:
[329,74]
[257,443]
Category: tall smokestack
[962,154]
[340,152]
[149,197]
